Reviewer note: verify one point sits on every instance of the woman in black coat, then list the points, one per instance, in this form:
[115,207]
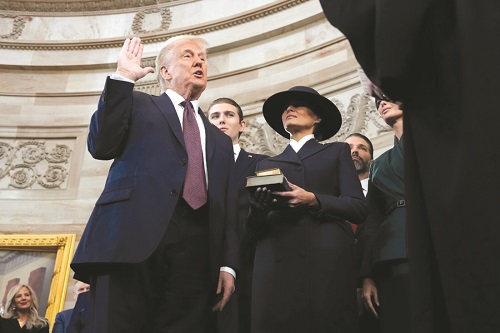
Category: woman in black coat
[304,278]
[21,312]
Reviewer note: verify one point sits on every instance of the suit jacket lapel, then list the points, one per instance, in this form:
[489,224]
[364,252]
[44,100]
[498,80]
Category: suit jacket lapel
[210,136]
[243,162]
[311,147]
[166,107]
[287,156]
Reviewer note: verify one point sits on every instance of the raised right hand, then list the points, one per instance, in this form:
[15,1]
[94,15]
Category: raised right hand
[129,60]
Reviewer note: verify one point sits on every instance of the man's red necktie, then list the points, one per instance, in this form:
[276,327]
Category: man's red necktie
[194,191]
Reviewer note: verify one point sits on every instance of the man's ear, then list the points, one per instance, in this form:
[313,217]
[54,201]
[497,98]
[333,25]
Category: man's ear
[165,74]
[243,125]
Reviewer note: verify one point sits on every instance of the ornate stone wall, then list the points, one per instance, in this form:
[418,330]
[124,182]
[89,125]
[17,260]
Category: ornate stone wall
[57,54]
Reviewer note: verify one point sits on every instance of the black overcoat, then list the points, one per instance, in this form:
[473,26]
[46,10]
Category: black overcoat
[304,278]
[440,58]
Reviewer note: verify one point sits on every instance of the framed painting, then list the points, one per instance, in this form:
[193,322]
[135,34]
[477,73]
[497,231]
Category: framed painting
[41,261]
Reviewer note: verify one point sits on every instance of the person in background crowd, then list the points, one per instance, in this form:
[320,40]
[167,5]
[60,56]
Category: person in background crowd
[63,317]
[385,260]
[21,312]
[81,318]
[227,115]
[362,156]
[304,277]
[169,190]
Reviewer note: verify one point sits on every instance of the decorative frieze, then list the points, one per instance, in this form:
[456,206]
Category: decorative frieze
[79,7]
[141,18]
[18,24]
[162,34]
[34,164]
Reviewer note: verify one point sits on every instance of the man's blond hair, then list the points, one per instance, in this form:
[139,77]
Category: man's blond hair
[167,52]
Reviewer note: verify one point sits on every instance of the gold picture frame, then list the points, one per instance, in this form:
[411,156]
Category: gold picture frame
[56,250]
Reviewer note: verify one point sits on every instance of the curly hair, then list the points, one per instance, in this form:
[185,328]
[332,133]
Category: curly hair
[33,320]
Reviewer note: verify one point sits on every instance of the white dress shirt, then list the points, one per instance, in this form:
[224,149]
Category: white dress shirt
[296,145]
[236,150]
[364,185]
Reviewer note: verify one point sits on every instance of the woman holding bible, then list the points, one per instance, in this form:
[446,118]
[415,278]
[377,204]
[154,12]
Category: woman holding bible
[304,278]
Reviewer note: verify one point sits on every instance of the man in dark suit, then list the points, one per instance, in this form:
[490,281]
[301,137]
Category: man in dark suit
[362,156]
[63,317]
[227,115]
[161,241]
[440,58]
[81,318]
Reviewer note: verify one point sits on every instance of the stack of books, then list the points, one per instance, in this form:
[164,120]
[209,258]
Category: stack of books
[271,179]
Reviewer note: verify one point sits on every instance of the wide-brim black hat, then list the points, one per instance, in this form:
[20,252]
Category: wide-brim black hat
[273,108]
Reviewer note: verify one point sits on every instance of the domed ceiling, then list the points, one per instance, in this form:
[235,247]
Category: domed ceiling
[74,6]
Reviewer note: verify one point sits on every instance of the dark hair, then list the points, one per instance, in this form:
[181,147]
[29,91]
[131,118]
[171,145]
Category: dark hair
[370,145]
[227,100]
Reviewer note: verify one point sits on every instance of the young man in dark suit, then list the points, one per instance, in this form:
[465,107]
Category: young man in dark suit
[162,240]
[227,115]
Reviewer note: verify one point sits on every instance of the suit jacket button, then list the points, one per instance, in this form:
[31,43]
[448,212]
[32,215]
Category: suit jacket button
[302,254]
[173,192]
[356,241]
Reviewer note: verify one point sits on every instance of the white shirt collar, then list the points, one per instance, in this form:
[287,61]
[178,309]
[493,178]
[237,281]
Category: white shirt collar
[364,185]
[236,150]
[297,145]
[178,99]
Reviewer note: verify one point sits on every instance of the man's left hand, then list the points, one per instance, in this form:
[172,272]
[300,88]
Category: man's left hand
[226,287]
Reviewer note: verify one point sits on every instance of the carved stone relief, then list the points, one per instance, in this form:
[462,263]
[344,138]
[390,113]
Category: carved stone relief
[18,24]
[77,6]
[34,164]
[142,18]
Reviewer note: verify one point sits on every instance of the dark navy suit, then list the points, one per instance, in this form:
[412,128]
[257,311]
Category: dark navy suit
[142,194]
[80,320]
[62,321]
[236,316]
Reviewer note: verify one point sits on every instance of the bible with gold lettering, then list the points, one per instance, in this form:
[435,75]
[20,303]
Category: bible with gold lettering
[271,179]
